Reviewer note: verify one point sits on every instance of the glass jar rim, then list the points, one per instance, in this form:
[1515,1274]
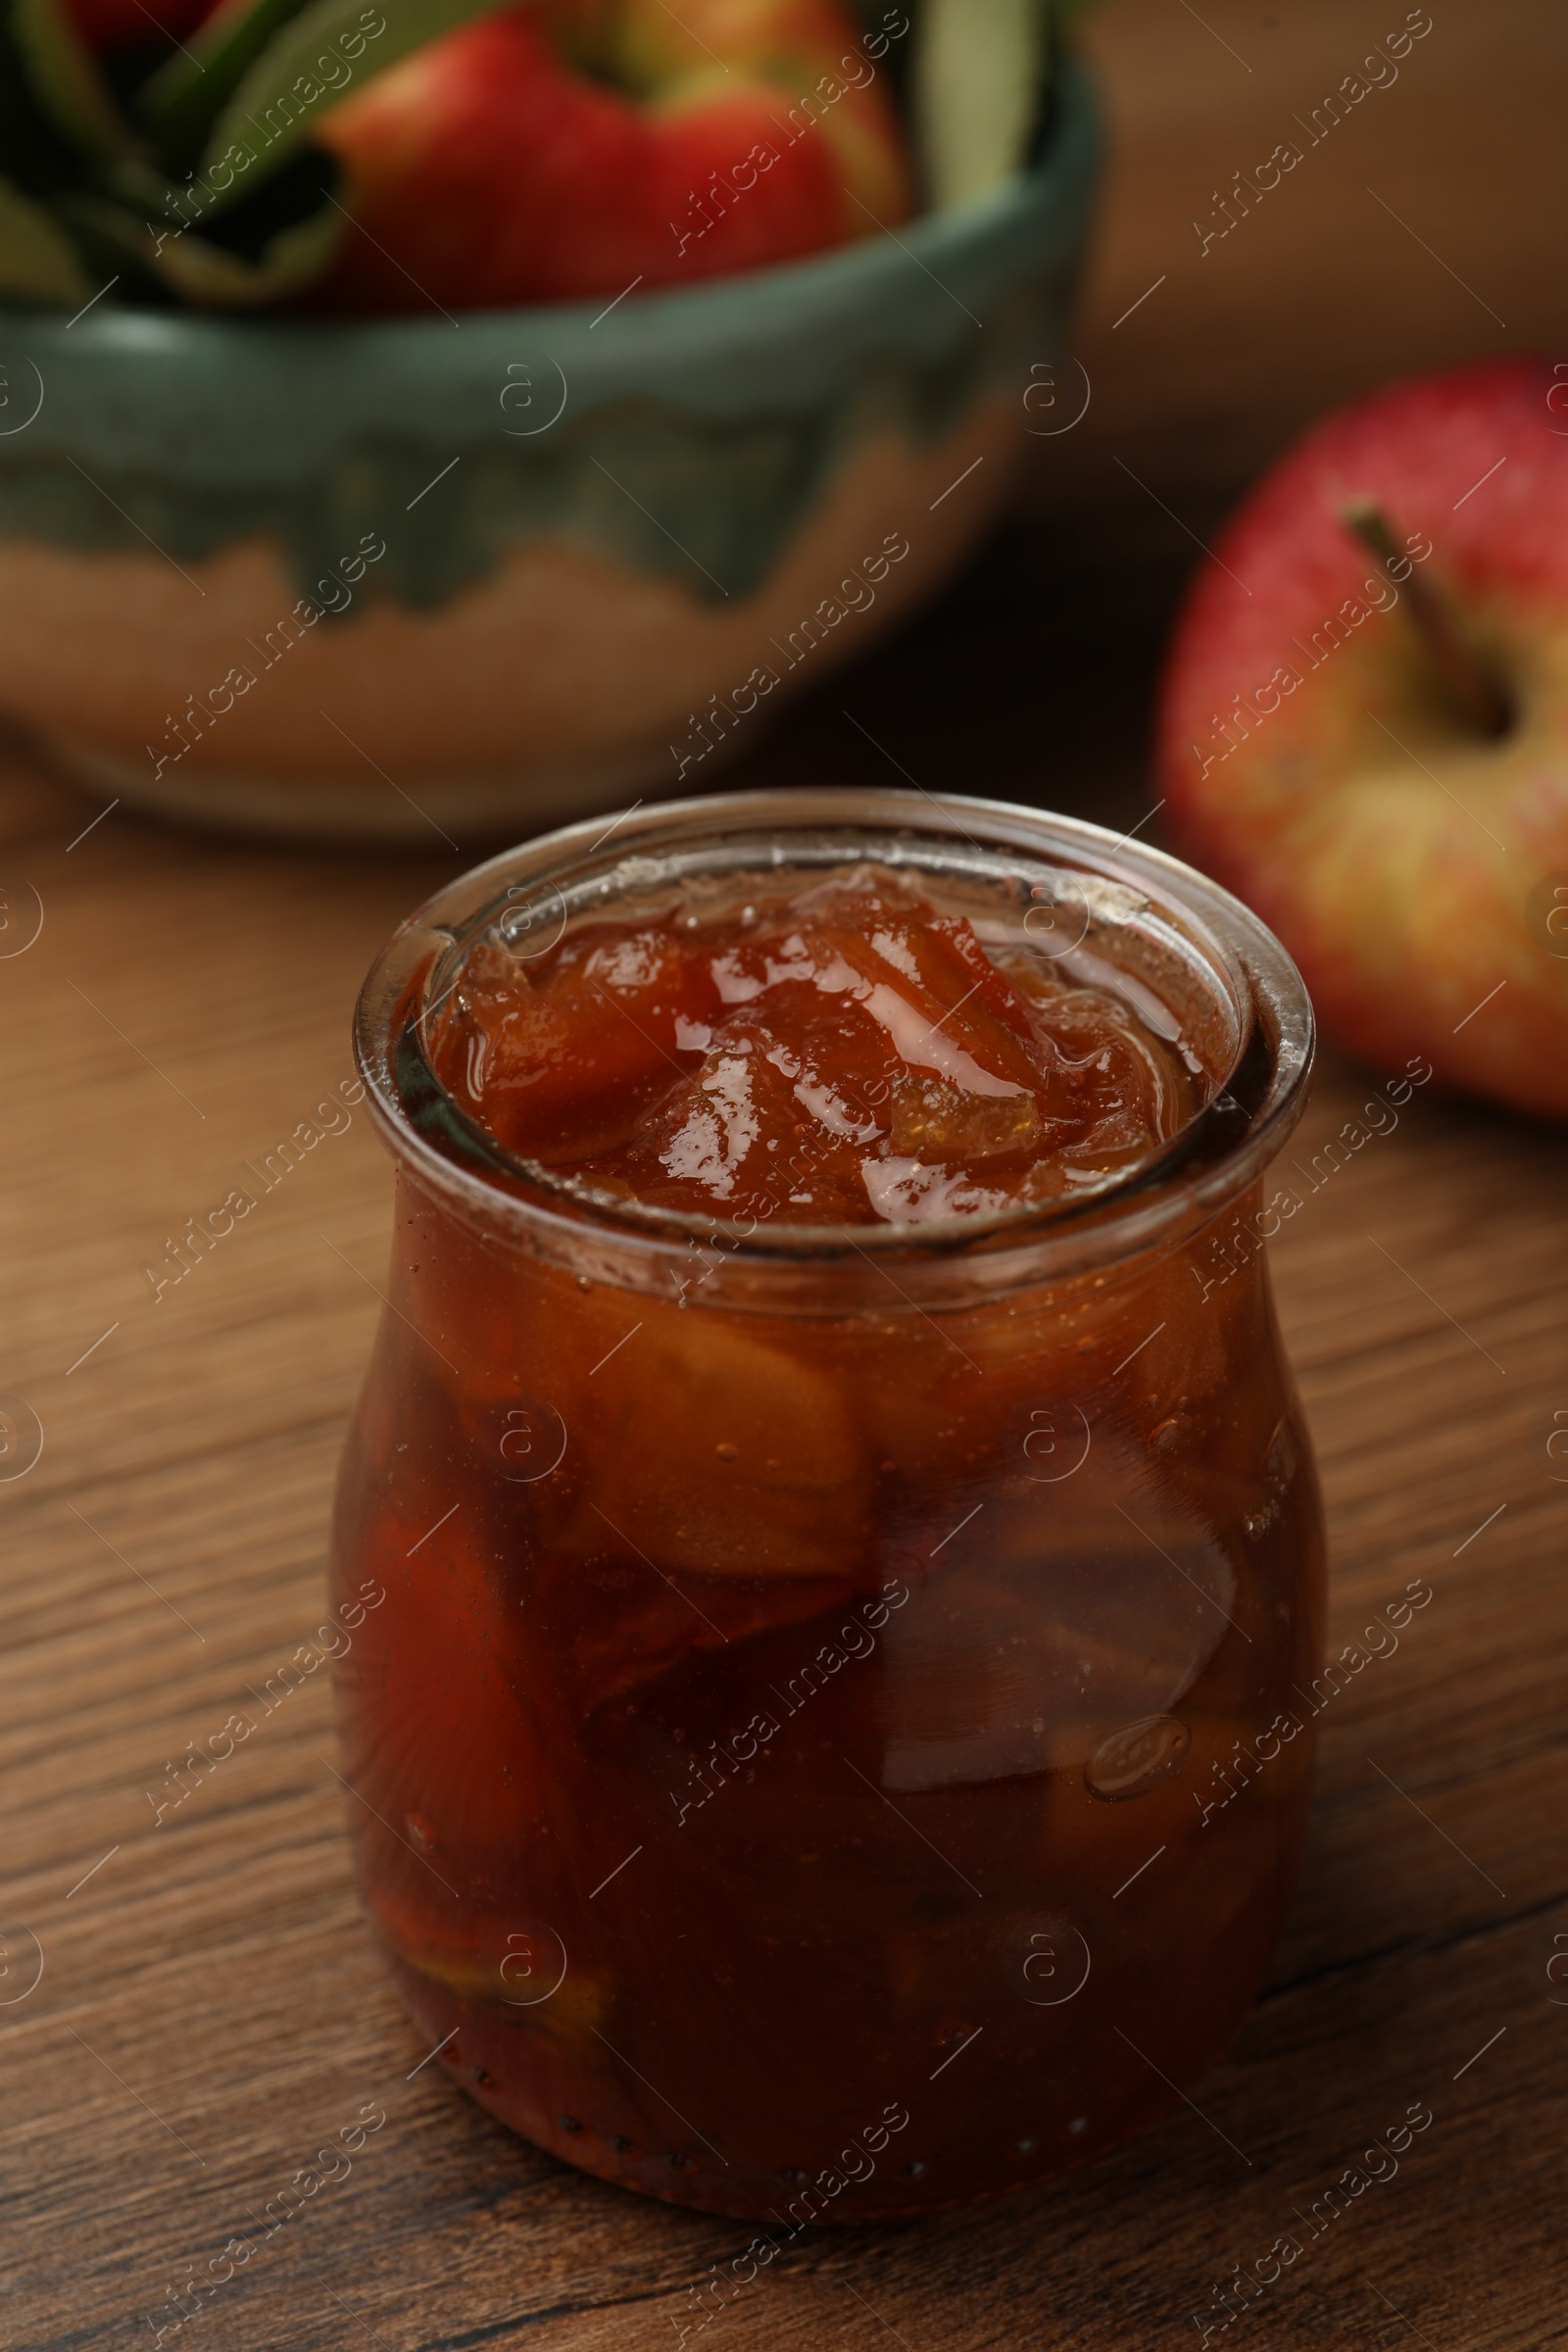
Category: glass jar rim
[1126,889]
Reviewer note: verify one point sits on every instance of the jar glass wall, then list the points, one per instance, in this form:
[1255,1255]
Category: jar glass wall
[828,1706]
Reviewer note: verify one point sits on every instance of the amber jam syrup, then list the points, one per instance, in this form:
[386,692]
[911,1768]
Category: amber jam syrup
[839,1534]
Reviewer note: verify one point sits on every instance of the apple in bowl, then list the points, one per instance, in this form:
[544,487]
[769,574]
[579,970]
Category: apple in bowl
[558,149]
[1364,724]
[580,147]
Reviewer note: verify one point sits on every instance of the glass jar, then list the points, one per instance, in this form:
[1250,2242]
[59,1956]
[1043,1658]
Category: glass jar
[825,1705]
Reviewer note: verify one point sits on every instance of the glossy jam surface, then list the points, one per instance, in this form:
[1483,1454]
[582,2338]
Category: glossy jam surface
[829,1751]
[844,1053]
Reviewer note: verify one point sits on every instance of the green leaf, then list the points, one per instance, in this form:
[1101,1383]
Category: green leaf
[114,241]
[63,74]
[183,99]
[980,69]
[34,152]
[188,268]
[336,46]
[209,277]
[37,260]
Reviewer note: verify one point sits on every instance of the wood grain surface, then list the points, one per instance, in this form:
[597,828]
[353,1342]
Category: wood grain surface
[211,2009]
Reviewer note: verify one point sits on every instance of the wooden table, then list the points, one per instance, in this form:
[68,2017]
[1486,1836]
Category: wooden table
[211,2008]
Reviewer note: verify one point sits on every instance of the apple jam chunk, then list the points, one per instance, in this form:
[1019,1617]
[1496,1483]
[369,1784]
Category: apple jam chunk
[844,1054]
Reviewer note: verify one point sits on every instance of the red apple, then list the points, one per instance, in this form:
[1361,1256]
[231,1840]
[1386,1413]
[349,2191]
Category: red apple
[1322,753]
[574,148]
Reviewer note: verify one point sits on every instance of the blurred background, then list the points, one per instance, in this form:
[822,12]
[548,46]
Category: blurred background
[1033,677]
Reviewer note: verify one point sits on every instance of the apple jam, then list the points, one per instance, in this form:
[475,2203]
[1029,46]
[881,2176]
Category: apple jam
[831,1746]
[833,1056]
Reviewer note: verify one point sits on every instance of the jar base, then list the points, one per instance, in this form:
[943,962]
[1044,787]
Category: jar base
[477,2050]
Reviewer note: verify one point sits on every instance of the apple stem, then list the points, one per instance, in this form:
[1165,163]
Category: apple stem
[1473,687]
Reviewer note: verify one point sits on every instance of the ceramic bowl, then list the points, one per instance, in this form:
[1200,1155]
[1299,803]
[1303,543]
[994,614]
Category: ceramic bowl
[489,572]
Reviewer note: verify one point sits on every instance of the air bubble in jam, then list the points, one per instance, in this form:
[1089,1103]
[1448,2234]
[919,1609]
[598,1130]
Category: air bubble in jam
[847,1055]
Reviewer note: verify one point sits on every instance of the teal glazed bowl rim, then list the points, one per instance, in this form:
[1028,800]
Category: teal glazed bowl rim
[126,385]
